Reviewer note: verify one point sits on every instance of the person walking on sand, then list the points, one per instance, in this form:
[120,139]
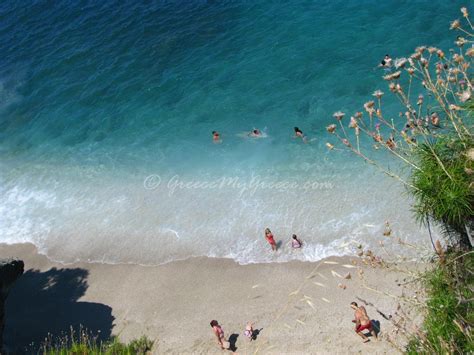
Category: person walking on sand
[219,333]
[295,242]
[362,322]
[270,239]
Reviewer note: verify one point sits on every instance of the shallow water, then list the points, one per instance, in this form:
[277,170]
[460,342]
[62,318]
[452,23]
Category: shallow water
[100,101]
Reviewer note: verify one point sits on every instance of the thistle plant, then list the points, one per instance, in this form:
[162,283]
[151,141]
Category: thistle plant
[432,135]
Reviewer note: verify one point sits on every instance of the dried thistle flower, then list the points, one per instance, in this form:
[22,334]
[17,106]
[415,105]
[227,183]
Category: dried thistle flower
[431,50]
[455,25]
[416,56]
[424,61]
[330,146]
[400,63]
[410,71]
[464,96]
[440,53]
[392,87]
[458,58]
[352,122]
[453,107]
[358,115]
[419,102]
[392,76]
[420,49]
[464,12]
[369,104]
[346,142]
[338,115]
[331,128]
[451,79]
[470,52]
[461,41]
[378,94]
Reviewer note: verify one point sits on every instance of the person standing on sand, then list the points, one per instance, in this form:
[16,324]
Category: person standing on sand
[219,333]
[362,322]
[270,239]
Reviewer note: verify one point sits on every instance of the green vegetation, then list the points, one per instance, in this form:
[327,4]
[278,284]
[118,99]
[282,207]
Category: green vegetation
[442,186]
[449,315]
[85,343]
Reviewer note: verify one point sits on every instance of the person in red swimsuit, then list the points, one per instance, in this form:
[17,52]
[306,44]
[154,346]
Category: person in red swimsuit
[362,322]
[270,239]
[216,137]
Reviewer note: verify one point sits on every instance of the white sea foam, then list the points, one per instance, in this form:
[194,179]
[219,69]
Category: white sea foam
[77,215]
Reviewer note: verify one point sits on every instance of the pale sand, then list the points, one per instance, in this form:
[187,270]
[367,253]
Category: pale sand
[174,303]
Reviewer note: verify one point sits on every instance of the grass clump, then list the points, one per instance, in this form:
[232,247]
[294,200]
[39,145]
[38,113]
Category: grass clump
[85,343]
[449,313]
[443,186]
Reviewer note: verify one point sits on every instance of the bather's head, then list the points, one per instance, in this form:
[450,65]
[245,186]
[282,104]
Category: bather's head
[354,305]
[214,323]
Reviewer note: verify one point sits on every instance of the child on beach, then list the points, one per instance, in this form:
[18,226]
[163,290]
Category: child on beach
[295,242]
[249,331]
[219,333]
[270,239]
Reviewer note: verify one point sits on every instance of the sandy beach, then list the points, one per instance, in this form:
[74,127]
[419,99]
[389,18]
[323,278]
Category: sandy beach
[174,303]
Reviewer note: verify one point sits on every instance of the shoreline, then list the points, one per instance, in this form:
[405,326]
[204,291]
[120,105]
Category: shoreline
[173,303]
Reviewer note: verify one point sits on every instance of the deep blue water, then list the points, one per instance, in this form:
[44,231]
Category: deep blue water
[96,96]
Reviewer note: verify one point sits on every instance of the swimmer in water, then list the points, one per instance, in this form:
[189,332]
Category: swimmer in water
[299,134]
[386,62]
[216,137]
[255,133]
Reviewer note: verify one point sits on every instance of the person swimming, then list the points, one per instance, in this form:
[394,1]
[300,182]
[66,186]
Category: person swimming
[255,133]
[386,61]
[216,137]
[299,134]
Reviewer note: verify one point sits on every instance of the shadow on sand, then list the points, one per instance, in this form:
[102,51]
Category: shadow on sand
[47,302]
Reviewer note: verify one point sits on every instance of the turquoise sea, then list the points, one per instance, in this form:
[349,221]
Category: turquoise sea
[107,109]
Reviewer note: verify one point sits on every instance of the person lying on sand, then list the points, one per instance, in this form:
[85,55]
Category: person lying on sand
[362,322]
[219,333]
[270,239]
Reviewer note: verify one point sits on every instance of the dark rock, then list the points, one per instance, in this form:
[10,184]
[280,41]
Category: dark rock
[10,271]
